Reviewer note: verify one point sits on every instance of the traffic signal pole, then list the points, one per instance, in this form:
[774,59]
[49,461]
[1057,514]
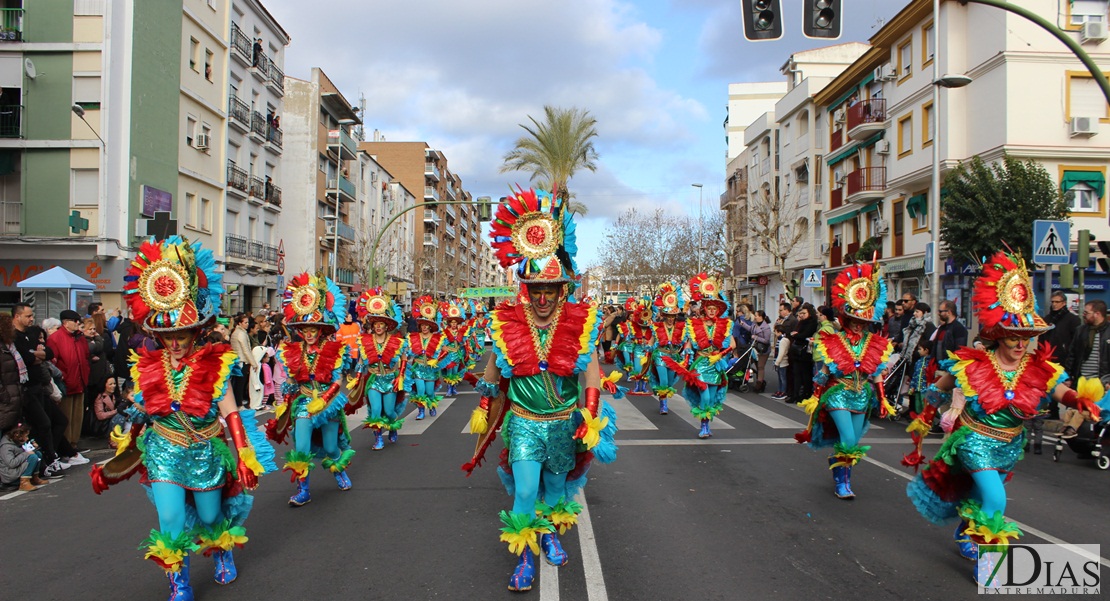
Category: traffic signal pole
[378,239]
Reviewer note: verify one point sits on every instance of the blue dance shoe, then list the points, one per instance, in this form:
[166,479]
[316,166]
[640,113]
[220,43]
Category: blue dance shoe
[552,550]
[451,390]
[392,436]
[432,411]
[968,549]
[419,413]
[343,480]
[663,410]
[379,444]
[840,478]
[302,496]
[523,575]
[704,432]
[180,589]
[225,567]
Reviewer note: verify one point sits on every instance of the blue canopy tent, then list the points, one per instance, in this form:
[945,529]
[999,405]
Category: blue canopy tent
[55,290]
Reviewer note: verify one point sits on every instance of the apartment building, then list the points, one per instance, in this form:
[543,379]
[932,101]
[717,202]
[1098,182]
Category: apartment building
[254,92]
[78,186]
[380,199]
[318,232]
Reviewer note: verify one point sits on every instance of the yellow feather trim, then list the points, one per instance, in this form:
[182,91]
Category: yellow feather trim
[613,377]
[1089,389]
[810,405]
[433,363]
[169,558]
[528,537]
[247,456]
[588,329]
[317,404]
[594,427]
[300,468]
[563,521]
[888,408]
[226,541]
[280,409]
[479,421]
[989,536]
[959,371]
[919,427]
[227,360]
[121,438]
[352,383]
[496,326]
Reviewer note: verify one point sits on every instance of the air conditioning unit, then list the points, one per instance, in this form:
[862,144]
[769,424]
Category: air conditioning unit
[840,177]
[881,227]
[1093,32]
[838,116]
[201,142]
[329,229]
[826,248]
[1082,127]
[884,72]
[882,147]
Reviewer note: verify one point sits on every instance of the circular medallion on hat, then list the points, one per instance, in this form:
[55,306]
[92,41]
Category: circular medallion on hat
[670,300]
[164,285]
[1014,292]
[536,235]
[428,312]
[861,293]
[709,287]
[376,304]
[305,299]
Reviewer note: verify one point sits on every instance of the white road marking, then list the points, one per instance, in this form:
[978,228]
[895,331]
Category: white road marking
[672,442]
[629,416]
[416,428]
[549,579]
[1025,527]
[681,407]
[762,415]
[591,560]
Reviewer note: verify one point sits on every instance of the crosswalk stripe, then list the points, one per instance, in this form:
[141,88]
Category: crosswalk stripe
[416,428]
[874,426]
[629,417]
[762,415]
[681,407]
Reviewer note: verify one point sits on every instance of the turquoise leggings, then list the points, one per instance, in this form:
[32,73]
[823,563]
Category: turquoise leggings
[665,377]
[169,502]
[526,476]
[849,425]
[329,437]
[383,402]
[426,388]
[710,397]
[990,490]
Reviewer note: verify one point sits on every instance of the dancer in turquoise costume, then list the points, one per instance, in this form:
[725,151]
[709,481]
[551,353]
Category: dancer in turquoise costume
[848,383]
[642,333]
[993,393]
[381,364]
[672,349]
[626,336]
[197,484]
[710,338]
[543,341]
[314,394]
[455,338]
[424,356]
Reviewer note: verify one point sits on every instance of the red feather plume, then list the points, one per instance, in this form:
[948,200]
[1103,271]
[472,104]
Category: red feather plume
[148,254]
[501,229]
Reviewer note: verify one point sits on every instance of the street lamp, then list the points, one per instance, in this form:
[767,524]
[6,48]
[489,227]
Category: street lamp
[947,81]
[701,226]
[80,112]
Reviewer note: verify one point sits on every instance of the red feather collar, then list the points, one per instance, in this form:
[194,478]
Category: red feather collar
[721,329]
[511,327]
[458,336]
[204,386]
[675,337]
[418,348]
[370,347]
[1029,389]
[293,355]
[837,350]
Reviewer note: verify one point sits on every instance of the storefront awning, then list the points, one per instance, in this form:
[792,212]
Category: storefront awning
[841,218]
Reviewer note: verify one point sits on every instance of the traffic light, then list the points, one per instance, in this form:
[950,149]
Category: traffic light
[1084,250]
[1067,277]
[485,208]
[1104,262]
[762,19]
[821,19]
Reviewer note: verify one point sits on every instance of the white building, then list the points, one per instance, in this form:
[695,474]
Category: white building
[746,102]
[380,199]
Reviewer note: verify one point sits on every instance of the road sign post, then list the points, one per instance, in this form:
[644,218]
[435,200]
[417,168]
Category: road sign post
[811,278]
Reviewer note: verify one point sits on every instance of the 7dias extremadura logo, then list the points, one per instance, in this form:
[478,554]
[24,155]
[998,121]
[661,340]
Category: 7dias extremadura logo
[1039,569]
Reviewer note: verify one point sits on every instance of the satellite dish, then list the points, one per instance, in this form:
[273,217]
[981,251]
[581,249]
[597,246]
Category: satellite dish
[29,69]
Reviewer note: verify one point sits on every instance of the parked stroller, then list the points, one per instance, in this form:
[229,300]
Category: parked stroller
[743,376]
[894,384]
[1091,441]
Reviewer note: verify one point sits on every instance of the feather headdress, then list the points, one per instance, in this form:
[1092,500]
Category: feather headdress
[373,305]
[860,292]
[532,230]
[424,311]
[706,289]
[1004,301]
[314,300]
[173,285]
[668,300]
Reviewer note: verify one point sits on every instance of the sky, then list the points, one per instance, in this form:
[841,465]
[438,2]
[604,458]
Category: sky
[463,75]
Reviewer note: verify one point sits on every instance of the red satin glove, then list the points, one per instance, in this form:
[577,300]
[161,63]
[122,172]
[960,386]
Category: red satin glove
[881,395]
[1072,399]
[593,398]
[332,390]
[247,476]
[484,404]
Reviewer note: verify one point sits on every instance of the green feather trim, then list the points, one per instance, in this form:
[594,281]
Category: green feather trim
[297,456]
[515,523]
[709,413]
[181,542]
[340,464]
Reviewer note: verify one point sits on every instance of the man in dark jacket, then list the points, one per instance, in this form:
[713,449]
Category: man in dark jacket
[1089,352]
[1066,322]
[48,423]
[950,334]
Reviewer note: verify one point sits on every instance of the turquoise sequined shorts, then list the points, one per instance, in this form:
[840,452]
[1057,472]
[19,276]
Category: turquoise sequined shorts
[978,452]
[839,397]
[198,467]
[548,442]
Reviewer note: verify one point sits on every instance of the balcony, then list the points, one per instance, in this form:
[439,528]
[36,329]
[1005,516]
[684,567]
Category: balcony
[345,276]
[431,171]
[257,252]
[866,184]
[431,240]
[260,67]
[273,139]
[451,193]
[238,181]
[11,24]
[276,82]
[346,189]
[273,197]
[450,229]
[11,119]
[837,139]
[431,217]
[866,118]
[346,233]
[340,143]
[450,209]
[258,127]
[239,114]
[235,247]
[449,250]
[11,218]
[257,190]
[836,198]
[271,254]
[240,46]
[431,194]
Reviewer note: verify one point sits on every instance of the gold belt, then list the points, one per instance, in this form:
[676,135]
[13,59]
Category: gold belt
[540,417]
[1003,434]
[853,384]
[184,439]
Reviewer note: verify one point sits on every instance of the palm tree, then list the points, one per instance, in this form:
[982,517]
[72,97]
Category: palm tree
[555,149]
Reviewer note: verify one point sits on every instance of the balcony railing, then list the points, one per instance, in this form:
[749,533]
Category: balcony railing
[345,187]
[258,124]
[431,240]
[258,187]
[450,229]
[867,182]
[277,77]
[11,118]
[431,171]
[236,246]
[273,195]
[237,177]
[274,136]
[868,114]
[450,210]
[257,251]
[240,44]
[346,232]
[836,197]
[11,24]
[339,140]
[837,139]
[430,193]
[270,253]
[11,218]
[260,64]
[239,110]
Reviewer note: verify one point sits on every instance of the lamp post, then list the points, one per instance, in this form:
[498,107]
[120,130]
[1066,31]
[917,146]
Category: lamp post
[948,81]
[701,226]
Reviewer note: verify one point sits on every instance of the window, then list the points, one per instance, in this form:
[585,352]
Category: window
[190,210]
[194,55]
[85,191]
[1082,199]
[206,131]
[927,125]
[920,212]
[190,130]
[927,44]
[1083,189]
[1084,97]
[1086,11]
[208,57]
[905,60]
[86,90]
[905,135]
[231,223]
[205,217]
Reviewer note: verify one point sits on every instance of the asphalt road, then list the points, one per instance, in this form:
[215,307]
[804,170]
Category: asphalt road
[747,514]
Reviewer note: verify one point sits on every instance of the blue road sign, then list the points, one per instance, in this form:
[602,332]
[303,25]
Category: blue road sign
[929,266]
[811,278]
[1051,242]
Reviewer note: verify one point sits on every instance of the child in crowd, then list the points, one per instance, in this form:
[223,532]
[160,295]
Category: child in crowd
[105,407]
[268,389]
[119,418]
[19,459]
[782,363]
[923,371]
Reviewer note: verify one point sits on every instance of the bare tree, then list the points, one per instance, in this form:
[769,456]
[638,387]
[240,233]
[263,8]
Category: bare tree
[649,247]
[777,227]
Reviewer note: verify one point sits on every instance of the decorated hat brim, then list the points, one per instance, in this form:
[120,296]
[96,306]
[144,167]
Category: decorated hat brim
[420,321]
[999,332]
[392,323]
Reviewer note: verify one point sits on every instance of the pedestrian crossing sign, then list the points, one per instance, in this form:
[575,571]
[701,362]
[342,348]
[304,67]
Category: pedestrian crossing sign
[1051,242]
[811,278]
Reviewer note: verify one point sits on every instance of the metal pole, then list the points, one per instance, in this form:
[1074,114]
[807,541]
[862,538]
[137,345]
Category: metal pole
[378,238]
[935,295]
[335,232]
